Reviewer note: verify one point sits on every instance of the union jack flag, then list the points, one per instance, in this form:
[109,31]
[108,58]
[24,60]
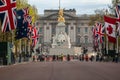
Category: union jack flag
[100,32]
[34,36]
[8,14]
[95,41]
[94,31]
[95,38]
[30,24]
[27,18]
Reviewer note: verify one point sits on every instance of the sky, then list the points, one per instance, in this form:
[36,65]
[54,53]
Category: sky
[81,6]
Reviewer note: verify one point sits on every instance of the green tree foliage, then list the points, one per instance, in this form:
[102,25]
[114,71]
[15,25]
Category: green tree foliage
[33,13]
[98,16]
[22,4]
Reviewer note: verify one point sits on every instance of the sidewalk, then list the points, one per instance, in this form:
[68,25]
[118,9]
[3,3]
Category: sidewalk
[17,63]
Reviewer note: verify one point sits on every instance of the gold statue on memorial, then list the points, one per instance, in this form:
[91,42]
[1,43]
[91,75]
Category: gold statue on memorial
[60,17]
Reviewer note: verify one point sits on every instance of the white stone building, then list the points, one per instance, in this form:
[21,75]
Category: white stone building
[77,28]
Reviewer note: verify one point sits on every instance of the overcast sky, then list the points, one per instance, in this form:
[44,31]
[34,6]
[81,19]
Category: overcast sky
[81,6]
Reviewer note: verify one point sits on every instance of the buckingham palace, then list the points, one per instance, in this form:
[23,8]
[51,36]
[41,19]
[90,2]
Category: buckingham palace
[77,27]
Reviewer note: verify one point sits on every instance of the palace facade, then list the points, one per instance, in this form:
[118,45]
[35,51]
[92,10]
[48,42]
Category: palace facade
[77,27]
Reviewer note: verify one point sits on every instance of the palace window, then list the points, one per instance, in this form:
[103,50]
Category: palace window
[78,30]
[75,23]
[40,29]
[82,24]
[86,39]
[86,30]
[78,40]
[53,30]
[72,28]
[44,23]
[47,27]
[40,40]
[66,29]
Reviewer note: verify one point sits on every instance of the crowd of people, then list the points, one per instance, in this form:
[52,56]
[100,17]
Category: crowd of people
[52,57]
[83,57]
[100,58]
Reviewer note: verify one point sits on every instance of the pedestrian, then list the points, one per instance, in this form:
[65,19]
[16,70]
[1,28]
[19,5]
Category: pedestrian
[92,58]
[116,58]
[68,57]
[33,57]
[57,57]
[82,57]
[86,57]
[12,58]
[101,58]
[97,57]
[53,58]
[61,56]
[20,57]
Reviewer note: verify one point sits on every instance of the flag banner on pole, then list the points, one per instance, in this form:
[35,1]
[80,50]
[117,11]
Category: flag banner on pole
[26,14]
[110,27]
[94,31]
[22,27]
[100,32]
[34,36]
[95,37]
[8,15]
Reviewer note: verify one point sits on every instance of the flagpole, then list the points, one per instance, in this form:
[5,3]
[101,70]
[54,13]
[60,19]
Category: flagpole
[59,4]
[117,43]
[25,46]
[106,12]
[29,47]
[12,38]
[107,44]
[20,54]
[100,48]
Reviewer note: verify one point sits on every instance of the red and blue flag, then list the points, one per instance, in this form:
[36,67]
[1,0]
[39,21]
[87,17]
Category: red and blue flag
[8,15]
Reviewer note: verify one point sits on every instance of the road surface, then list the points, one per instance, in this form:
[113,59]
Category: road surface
[73,70]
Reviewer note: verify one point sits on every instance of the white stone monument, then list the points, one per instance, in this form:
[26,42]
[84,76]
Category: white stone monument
[61,41]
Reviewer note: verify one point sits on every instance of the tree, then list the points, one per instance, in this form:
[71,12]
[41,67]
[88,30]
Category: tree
[21,3]
[98,16]
[33,13]
[112,6]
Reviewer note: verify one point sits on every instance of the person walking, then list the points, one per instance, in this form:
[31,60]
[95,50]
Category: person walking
[68,57]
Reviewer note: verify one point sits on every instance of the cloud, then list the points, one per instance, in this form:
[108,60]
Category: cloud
[81,6]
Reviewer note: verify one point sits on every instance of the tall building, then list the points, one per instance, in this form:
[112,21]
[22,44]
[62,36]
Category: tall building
[76,27]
